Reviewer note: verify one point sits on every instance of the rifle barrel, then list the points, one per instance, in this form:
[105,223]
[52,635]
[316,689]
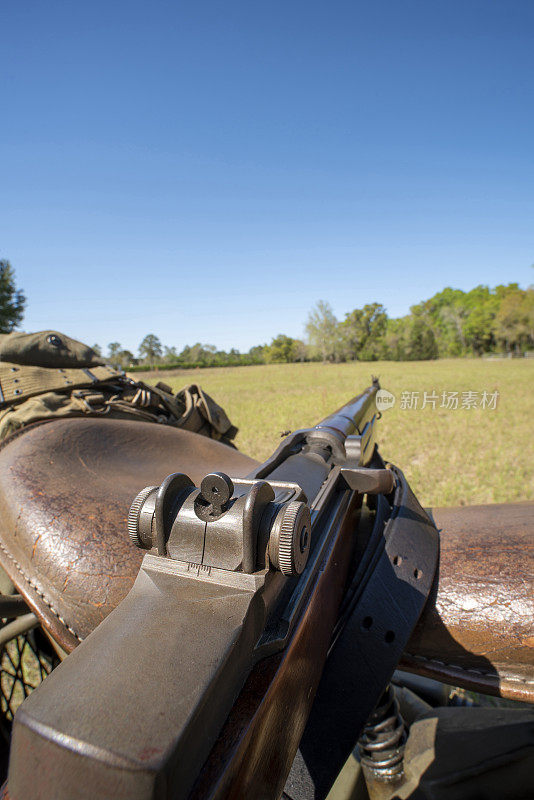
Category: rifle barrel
[352,417]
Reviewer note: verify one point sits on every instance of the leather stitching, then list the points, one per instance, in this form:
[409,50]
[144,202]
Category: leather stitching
[470,671]
[6,441]
[40,593]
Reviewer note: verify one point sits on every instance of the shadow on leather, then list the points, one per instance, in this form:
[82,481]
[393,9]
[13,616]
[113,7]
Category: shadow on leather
[476,628]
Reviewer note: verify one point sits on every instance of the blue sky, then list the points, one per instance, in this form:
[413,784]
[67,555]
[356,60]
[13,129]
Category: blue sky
[207,171]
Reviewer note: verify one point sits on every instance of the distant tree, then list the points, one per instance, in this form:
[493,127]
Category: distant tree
[282,349]
[202,354]
[446,313]
[421,344]
[170,355]
[208,353]
[361,332]
[257,353]
[97,349]
[150,349]
[126,359]
[455,315]
[233,357]
[514,321]
[301,350]
[482,305]
[394,341]
[114,349]
[185,355]
[120,357]
[322,332]
[12,300]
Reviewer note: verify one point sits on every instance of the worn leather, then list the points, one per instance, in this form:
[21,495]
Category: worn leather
[66,487]
[65,490]
[478,628]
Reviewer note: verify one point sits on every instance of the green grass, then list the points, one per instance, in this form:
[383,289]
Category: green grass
[449,457]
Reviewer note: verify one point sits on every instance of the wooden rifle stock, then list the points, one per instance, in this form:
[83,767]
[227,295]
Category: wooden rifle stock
[254,752]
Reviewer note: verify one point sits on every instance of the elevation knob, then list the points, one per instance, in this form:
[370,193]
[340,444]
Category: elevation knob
[289,543]
[140,517]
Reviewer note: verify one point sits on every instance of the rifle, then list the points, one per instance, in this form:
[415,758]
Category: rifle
[201,683]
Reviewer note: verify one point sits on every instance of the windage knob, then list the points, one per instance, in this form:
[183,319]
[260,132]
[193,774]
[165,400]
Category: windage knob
[140,517]
[290,540]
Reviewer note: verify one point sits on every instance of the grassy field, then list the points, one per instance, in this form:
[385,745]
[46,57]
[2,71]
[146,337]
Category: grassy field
[451,457]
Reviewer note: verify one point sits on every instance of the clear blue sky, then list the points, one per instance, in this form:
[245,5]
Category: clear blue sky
[207,171]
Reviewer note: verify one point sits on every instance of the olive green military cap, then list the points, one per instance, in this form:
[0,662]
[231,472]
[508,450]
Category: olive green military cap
[46,349]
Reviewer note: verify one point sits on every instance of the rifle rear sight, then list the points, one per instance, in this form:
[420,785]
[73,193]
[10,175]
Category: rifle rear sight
[242,525]
[238,525]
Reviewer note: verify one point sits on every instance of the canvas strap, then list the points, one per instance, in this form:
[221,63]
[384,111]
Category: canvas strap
[18,382]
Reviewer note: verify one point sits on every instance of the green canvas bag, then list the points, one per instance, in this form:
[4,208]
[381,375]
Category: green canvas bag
[47,375]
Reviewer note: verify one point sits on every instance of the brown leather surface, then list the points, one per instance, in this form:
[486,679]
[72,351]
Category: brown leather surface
[478,629]
[65,490]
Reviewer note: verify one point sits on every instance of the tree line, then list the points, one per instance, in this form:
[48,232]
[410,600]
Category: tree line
[452,323]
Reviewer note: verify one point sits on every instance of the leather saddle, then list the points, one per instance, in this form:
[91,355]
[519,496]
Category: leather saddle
[65,490]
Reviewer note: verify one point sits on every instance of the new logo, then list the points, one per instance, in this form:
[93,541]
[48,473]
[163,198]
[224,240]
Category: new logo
[384,400]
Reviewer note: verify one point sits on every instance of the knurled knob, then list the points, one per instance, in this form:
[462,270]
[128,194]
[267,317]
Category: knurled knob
[136,527]
[294,538]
